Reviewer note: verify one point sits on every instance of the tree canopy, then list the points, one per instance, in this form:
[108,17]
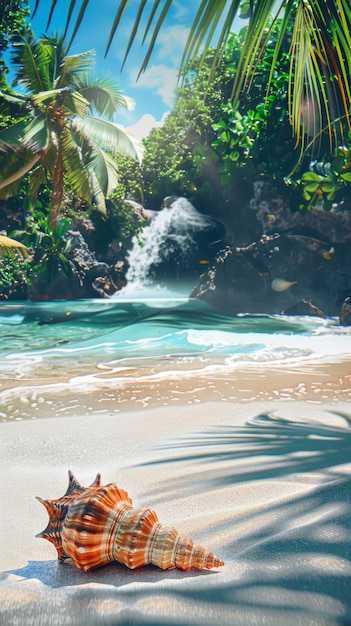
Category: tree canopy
[69,127]
[319,77]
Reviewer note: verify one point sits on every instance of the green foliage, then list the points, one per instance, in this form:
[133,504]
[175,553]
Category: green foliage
[15,274]
[178,157]
[207,145]
[119,223]
[320,50]
[130,181]
[254,133]
[63,141]
[327,182]
[13,21]
[49,244]
[13,24]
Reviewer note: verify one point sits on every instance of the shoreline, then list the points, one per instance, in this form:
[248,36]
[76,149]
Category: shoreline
[314,383]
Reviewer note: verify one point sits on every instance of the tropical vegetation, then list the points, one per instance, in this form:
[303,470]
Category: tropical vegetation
[241,114]
[211,150]
[13,22]
[62,140]
[318,80]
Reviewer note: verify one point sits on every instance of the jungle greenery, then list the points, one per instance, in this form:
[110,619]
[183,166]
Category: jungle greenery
[210,149]
[62,140]
[57,141]
[58,160]
[308,68]
[318,77]
[13,22]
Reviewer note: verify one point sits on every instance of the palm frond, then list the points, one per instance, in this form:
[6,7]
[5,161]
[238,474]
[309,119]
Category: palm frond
[45,97]
[36,135]
[31,60]
[104,95]
[98,196]
[72,101]
[135,28]
[75,150]
[116,21]
[319,73]
[156,31]
[75,103]
[17,165]
[13,98]
[313,92]
[11,138]
[37,177]
[75,65]
[206,22]
[11,247]
[104,171]
[339,50]
[108,136]
[78,21]
[91,172]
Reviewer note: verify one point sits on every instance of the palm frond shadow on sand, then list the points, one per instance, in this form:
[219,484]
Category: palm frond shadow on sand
[288,560]
[292,551]
[267,447]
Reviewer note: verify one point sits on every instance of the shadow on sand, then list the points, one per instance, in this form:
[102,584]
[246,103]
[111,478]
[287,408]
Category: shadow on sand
[268,447]
[288,560]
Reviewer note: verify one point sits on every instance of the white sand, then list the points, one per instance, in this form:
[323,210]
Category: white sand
[265,486]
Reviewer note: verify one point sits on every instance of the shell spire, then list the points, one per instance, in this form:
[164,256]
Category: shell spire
[98,524]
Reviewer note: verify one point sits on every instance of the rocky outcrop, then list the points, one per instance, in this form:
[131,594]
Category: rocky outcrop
[90,278]
[301,265]
[274,214]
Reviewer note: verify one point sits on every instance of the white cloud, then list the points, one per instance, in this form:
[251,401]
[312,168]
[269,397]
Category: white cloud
[144,125]
[162,80]
[170,44]
[181,10]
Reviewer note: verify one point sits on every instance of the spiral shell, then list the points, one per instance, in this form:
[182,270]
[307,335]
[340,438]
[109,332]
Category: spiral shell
[98,524]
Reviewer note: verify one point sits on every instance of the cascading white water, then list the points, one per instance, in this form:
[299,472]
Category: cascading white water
[169,233]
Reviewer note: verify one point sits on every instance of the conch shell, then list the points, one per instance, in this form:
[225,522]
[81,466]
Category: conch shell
[96,525]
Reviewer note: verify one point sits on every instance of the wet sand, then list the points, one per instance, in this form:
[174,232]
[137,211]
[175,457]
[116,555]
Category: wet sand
[257,469]
[107,394]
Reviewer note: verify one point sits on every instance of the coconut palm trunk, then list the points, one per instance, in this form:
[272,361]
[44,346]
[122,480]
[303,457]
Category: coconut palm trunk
[57,187]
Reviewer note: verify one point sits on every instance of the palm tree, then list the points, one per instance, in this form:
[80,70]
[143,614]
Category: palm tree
[319,80]
[69,131]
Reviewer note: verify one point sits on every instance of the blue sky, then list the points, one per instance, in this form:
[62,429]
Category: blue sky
[154,91]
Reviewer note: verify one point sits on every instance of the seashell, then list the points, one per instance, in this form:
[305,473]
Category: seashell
[329,254]
[98,524]
[279,284]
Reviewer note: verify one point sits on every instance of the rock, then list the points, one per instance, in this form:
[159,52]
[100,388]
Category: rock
[276,274]
[345,314]
[274,214]
[90,277]
[304,307]
[300,265]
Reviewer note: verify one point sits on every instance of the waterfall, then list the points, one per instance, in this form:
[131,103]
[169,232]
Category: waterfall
[169,240]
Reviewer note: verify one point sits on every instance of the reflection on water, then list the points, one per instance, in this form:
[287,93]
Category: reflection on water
[131,352]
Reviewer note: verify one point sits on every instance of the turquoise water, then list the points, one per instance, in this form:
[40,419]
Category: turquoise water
[64,352]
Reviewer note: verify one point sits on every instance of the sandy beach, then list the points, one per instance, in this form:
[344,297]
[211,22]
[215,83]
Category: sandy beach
[264,484]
